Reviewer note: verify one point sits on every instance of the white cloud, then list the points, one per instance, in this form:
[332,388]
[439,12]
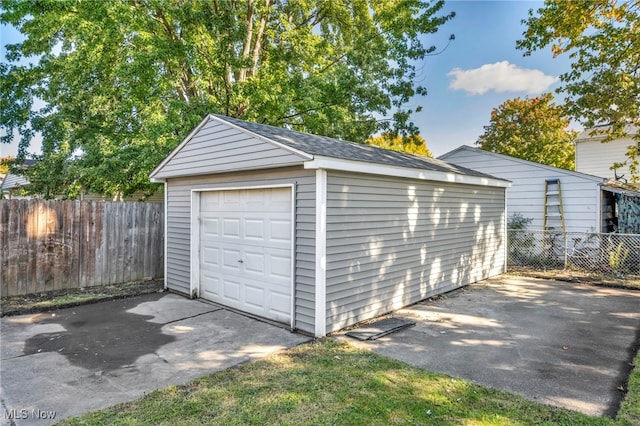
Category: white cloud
[500,77]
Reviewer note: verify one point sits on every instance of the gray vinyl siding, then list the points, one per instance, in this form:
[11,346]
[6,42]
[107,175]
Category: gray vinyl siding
[580,192]
[392,242]
[179,229]
[218,147]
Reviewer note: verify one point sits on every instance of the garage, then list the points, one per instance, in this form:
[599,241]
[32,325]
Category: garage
[246,250]
[318,233]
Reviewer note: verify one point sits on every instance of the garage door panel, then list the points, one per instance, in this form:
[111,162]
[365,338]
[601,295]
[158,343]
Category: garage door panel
[231,259]
[231,228]
[254,263]
[255,296]
[280,230]
[211,257]
[256,198]
[248,232]
[230,198]
[254,229]
[210,227]
[280,266]
[280,303]
[280,198]
[231,290]
[211,201]
[211,285]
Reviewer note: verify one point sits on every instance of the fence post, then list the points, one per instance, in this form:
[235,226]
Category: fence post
[566,250]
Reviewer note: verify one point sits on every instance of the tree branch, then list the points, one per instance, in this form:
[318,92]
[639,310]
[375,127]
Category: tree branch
[246,48]
[258,44]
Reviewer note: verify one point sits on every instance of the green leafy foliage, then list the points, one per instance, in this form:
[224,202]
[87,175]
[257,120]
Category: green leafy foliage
[518,222]
[602,37]
[412,144]
[5,164]
[533,129]
[124,81]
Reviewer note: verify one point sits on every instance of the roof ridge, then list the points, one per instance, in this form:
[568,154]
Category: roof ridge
[339,148]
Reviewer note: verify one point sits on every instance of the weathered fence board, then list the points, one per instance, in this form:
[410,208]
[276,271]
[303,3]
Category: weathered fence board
[52,245]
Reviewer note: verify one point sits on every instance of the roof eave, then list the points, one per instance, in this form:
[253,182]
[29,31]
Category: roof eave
[444,157]
[332,163]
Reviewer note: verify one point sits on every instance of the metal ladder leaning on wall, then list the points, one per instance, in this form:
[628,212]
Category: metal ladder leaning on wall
[553,211]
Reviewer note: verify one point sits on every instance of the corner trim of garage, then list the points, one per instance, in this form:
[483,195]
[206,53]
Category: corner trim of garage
[321,253]
[194,290]
[165,245]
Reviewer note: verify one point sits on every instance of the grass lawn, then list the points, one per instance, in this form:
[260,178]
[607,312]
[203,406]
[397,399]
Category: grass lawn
[629,413]
[327,382]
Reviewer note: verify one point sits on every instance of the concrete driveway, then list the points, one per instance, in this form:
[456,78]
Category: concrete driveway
[81,359]
[558,343]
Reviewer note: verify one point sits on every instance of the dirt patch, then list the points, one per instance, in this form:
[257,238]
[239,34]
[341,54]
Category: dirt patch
[58,299]
[626,282]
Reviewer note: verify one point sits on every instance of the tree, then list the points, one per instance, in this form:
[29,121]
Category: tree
[532,129]
[412,144]
[124,81]
[5,165]
[603,39]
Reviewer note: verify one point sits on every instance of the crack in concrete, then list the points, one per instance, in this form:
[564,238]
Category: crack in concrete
[193,316]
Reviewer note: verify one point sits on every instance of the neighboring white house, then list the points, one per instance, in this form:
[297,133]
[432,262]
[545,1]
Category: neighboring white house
[319,233]
[595,157]
[581,193]
[12,183]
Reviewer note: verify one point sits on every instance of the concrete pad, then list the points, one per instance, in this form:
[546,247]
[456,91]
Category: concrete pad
[81,359]
[558,343]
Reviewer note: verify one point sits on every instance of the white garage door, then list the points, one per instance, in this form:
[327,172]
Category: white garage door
[245,250]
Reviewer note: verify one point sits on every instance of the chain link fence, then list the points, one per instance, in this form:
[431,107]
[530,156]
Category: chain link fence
[616,254]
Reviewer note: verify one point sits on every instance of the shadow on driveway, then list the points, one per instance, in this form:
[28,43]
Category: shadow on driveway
[558,343]
[80,359]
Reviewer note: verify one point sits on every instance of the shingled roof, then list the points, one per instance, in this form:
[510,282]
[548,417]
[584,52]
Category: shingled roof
[13,181]
[315,145]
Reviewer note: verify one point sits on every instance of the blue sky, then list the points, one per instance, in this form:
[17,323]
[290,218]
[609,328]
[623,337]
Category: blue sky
[479,70]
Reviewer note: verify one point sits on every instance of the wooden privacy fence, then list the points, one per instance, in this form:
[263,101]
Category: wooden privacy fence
[53,245]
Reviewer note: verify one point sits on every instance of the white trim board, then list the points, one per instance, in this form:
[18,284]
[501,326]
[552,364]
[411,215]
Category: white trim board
[331,163]
[320,328]
[165,186]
